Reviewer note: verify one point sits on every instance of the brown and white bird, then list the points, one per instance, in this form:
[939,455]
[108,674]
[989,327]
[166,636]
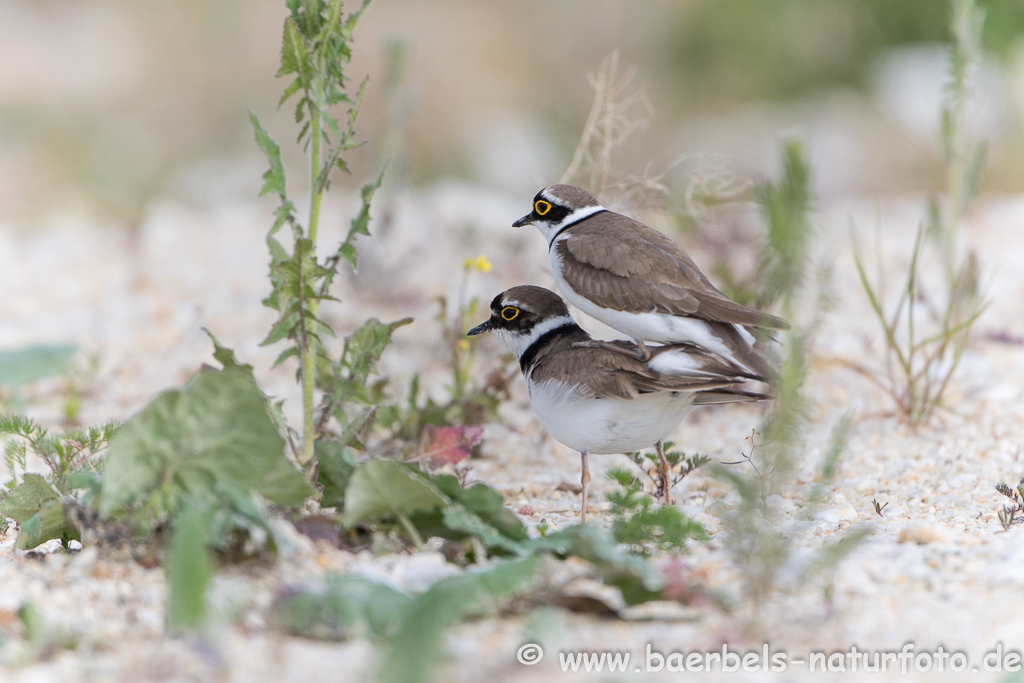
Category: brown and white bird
[639,282]
[600,400]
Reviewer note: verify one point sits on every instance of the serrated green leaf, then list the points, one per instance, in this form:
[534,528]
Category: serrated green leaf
[384,487]
[295,86]
[285,213]
[348,252]
[364,346]
[214,432]
[285,355]
[225,356]
[295,55]
[273,179]
[360,224]
[22,366]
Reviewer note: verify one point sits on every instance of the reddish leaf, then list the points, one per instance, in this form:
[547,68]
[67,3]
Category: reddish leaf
[440,446]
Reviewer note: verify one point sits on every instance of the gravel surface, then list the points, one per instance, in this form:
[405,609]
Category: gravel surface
[937,569]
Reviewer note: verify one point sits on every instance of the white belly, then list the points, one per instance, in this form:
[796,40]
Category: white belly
[608,425]
[651,326]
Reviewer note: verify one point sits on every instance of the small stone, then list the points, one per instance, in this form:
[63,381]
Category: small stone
[828,516]
[526,510]
[924,532]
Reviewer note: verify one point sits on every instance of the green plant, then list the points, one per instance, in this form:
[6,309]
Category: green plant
[36,502]
[919,366]
[64,453]
[469,402]
[680,464]
[315,48]
[642,528]
[213,440]
[759,549]
[879,507]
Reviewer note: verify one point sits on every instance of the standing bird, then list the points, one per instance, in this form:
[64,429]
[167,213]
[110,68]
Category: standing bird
[599,399]
[638,281]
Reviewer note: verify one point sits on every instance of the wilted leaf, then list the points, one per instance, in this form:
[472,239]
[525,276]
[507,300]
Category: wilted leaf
[440,446]
[22,366]
[319,528]
[216,432]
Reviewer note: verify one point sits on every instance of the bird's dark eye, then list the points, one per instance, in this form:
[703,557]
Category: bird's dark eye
[510,312]
[541,207]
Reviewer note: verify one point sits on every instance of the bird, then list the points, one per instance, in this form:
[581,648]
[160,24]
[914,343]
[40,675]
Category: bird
[638,281]
[596,399]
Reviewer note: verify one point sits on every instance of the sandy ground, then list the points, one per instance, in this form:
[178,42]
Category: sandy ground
[134,303]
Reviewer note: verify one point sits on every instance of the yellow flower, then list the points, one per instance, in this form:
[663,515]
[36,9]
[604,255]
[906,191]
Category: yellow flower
[479,263]
[464,344]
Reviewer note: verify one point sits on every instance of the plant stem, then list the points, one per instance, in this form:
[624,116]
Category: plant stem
[309,340]
[410,529]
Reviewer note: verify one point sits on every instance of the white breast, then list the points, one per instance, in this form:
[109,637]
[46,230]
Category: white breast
[607,425]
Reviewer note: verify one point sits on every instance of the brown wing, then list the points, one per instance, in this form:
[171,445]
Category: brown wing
[660,276]
[613,374]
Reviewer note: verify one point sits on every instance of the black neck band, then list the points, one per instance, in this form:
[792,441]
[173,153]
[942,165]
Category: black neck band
[575,222]
[526,360]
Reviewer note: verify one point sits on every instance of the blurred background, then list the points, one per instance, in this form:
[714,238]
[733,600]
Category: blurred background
[107,105]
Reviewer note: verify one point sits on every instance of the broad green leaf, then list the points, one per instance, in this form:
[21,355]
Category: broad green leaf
[215,431]
[458,518]
[273,179]
[337,462]
[633,576]
[340,607]
[28,499]
[22,366]
[39,512]
[384,487]
[415,651]
[50,522]
[189,567]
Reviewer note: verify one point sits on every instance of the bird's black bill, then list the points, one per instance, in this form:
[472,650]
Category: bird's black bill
[485,326]
[525,220]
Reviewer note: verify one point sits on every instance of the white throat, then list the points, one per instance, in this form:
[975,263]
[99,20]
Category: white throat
[517,342]
[550,230]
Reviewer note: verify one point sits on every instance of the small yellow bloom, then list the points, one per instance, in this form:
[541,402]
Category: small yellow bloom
[464,344]
[479,263]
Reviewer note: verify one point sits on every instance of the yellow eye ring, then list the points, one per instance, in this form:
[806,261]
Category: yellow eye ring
[509,313]
[542,207]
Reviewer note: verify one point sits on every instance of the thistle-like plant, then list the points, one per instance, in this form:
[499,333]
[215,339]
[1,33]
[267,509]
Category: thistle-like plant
[315,49]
